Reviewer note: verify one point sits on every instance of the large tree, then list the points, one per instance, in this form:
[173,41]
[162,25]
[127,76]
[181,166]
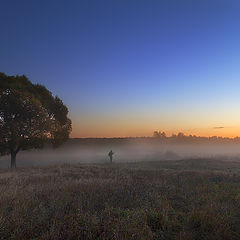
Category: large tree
[29,116]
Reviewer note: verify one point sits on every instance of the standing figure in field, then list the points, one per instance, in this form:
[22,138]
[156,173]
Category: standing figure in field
[110,154]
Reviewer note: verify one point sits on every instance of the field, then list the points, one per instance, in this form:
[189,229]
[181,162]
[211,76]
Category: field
[184,199]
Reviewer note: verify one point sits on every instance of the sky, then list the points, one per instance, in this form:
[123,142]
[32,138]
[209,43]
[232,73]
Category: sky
[129,67]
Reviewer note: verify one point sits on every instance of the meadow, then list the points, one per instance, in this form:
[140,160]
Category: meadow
[180,199]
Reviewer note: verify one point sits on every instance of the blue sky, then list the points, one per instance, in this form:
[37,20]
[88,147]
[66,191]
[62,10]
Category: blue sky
[127,68]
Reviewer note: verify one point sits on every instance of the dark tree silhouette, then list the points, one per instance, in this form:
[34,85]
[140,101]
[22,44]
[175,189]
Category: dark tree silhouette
[29,116]
[158,134]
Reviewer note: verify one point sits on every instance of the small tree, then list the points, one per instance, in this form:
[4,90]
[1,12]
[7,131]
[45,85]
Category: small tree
[29,116]
[158,134]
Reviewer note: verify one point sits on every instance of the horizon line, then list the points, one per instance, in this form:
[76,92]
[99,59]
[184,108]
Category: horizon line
[172,136]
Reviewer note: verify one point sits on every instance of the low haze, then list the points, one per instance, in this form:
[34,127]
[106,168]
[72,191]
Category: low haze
[130,151]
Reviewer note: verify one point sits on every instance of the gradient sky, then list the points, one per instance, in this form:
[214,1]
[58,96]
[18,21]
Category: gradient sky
[127,68]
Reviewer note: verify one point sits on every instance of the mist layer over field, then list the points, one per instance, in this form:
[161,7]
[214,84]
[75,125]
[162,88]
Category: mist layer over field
[96,151]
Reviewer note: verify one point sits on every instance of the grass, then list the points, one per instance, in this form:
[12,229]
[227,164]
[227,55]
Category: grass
[191,199]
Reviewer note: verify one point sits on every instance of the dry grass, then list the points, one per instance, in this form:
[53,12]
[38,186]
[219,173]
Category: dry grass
[164,200]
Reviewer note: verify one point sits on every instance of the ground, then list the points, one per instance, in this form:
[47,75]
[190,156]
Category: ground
[184,199]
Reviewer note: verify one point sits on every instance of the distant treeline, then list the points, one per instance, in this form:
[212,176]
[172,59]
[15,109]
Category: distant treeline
[181,137]
[157,137]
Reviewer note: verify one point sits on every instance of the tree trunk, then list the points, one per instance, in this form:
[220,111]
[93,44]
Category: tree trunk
[13,159]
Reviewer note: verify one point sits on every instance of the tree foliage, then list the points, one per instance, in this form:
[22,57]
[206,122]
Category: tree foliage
[29,116]
[158,134]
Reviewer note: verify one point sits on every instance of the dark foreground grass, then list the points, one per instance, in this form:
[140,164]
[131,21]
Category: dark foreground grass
[194,199]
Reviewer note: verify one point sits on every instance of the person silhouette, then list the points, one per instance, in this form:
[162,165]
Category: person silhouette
[110,154]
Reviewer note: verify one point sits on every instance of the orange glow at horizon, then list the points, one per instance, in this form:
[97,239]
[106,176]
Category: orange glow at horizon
[199,122]
[121,131]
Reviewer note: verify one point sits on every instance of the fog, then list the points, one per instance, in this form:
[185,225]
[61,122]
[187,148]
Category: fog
[123,152]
